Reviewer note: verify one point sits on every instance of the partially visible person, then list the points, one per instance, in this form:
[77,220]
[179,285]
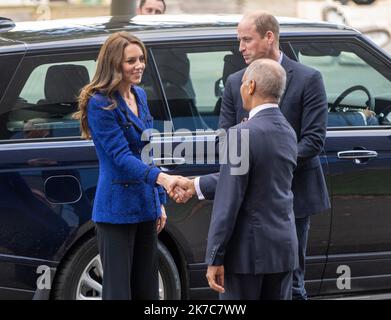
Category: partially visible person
[364,117]
[128,206]
[252,243]
[151,7]
[176,80]
[36,128]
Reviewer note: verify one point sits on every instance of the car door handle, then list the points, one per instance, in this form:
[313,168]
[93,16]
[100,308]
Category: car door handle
[169,161]
[357,154]
[167,164]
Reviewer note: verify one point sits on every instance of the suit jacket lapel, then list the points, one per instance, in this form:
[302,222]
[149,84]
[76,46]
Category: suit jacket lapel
[130,116]
[144,116]
[286,64]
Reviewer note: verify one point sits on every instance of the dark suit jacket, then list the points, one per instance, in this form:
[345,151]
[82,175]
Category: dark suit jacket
[252,229]
[304,104]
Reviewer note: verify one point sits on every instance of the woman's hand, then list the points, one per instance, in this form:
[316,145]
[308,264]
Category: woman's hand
[161,221]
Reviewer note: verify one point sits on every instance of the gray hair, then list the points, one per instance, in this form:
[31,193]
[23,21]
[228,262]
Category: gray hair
[269,77]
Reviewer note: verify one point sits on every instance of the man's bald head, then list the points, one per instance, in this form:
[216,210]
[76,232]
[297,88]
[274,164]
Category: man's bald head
[268,77]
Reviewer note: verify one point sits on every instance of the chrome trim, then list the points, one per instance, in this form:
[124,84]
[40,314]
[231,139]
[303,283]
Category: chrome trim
[359,133]
[357,154]
[171,161]
[381,296]
[63,176]
[179,137]
[46,145]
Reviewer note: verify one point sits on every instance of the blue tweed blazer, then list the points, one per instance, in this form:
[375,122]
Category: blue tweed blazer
[127,190]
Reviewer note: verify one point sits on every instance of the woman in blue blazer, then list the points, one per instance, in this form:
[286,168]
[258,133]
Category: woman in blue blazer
[128,206]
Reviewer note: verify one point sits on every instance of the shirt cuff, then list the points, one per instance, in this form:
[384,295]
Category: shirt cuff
[197,188]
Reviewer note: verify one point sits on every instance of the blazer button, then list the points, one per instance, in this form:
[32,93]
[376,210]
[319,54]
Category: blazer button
[139,150]
[126,185]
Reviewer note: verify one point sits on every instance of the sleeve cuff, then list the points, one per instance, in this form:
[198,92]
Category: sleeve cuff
[162,197]
[198,189]
[151,175]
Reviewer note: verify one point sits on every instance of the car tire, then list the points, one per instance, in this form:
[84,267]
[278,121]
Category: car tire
[80,275]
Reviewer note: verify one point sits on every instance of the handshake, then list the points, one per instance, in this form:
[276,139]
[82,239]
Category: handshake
[179,188]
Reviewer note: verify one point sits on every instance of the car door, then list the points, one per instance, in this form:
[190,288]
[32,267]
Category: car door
[357,80]
[46,172]
[191,77]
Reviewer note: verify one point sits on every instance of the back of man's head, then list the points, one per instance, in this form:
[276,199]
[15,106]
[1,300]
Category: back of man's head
[269,78]
[151,7]
[264,22]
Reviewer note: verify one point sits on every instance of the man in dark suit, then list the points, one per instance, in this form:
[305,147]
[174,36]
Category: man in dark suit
[304,104]
[252,242]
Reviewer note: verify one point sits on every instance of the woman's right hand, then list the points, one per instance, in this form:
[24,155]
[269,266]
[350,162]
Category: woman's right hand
[179,188]
[168,182]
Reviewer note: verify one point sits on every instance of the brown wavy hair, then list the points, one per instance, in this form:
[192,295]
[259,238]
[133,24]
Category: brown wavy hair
[108,75]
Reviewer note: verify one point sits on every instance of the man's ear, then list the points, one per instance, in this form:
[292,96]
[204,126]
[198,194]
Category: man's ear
[270,37]
[251,87]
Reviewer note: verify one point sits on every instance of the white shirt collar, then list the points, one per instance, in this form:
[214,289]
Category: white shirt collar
[280,59]
[261,107]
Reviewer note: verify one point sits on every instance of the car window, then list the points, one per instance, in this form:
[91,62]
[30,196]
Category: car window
[42,97]
[193,80]
[357,83]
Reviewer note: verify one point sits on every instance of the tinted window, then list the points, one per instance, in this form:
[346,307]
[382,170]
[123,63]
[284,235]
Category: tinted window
[193,79]
[8,65]
[357,83]
[43,96]
[155,100]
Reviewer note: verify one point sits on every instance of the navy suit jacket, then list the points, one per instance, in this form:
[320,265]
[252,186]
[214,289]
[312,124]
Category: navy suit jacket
[127,190]
[304,104]
[252,229]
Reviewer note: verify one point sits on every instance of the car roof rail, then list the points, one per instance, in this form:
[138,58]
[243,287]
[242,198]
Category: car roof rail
[6,24]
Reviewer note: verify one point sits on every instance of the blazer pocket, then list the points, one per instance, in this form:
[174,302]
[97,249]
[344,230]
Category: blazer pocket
[127,197]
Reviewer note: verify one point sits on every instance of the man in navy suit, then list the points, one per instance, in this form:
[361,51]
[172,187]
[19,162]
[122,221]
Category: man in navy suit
[304,104]
[252,242]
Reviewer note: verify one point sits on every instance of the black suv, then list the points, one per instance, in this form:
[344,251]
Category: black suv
[48,175]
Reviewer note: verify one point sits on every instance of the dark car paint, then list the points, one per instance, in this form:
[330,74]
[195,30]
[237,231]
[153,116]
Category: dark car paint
[37,232]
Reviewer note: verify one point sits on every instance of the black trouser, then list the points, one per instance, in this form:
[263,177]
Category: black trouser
[129,260]
[272,286]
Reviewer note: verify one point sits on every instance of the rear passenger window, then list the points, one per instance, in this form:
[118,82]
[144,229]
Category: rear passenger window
[357,83]
[193,80]
[42,97]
